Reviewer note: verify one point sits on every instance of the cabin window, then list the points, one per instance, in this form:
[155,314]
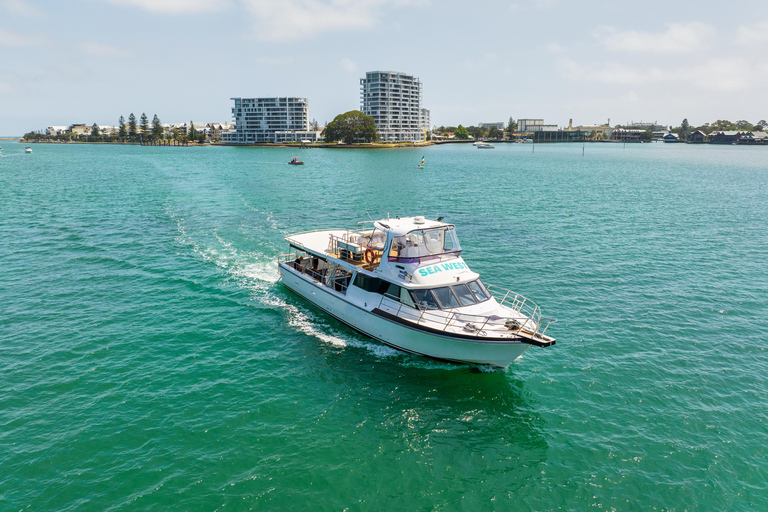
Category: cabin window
[393,292]
[465,296]
[424,299]
[446,298]
[479,290]
[405,298]
[369,284]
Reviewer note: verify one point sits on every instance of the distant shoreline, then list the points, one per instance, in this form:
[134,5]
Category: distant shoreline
[358,146]
[258,145]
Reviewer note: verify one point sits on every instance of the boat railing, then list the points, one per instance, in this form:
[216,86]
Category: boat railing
[291,257]
[492,326]
[346,248]
[365,225]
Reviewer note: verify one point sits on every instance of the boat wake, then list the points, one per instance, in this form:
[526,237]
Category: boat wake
[257,272]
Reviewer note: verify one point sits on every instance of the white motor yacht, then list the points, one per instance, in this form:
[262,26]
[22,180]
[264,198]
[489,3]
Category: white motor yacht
[403,282]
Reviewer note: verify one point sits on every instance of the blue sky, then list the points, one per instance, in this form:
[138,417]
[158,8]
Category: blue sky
[90,61]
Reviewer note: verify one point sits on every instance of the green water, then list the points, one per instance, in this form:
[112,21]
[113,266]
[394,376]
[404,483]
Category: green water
[151,360]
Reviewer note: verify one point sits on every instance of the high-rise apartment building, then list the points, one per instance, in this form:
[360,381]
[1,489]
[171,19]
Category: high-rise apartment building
[393,100]
[258,119]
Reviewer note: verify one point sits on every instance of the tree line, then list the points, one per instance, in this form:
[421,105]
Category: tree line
[478,132]
[721,125]
[131,131]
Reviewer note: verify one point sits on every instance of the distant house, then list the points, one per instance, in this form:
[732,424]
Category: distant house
[753,138]
[79,129]
[671,137]
[726,137]
[55,130]
[628,134]
[697,137]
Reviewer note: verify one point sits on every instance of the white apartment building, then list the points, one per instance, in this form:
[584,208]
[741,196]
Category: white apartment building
[500,125]
[393,100]
[258,119]
[426,120]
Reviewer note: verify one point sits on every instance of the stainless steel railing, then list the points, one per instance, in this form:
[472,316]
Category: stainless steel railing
[481,325]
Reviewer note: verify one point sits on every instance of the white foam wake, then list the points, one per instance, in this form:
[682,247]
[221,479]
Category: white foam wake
[258,273]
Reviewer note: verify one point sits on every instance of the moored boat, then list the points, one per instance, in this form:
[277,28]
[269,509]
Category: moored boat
[403,281]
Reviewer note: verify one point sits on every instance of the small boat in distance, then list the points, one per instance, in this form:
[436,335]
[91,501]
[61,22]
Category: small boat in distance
[484,145]
[28,150]
[403,282]
[421,165]
[295,161]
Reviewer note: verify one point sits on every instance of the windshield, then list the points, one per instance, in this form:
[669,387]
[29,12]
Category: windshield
[449,297]
[424,243]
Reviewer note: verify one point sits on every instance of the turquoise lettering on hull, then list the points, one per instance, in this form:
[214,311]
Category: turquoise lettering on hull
[434,269]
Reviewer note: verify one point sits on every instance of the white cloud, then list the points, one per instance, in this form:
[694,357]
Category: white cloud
[103,50]
[175,6]
[291,20]
[554,47]
[12,39]
[630,97]
[348,65]
[276,61]
[752,35]
[719,75]
[10,84]
[21,8]
[615,74]
[679,38]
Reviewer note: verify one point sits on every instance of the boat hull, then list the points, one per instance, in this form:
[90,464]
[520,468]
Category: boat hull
[397,335]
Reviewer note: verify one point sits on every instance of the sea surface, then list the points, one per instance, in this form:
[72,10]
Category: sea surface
[150,358]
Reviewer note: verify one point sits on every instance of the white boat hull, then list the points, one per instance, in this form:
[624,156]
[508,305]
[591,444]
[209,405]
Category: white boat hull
[410,339]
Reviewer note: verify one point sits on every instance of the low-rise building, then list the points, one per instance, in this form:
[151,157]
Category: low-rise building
[304,137]
[56,130]
[79,129]
[726,136]
[534,125]
[754,138]
[500,125]
[628,134]
[601,131]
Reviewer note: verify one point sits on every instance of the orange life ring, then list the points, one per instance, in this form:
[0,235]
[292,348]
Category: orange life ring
[370,256]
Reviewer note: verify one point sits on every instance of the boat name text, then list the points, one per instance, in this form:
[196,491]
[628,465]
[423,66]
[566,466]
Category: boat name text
[434,269]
